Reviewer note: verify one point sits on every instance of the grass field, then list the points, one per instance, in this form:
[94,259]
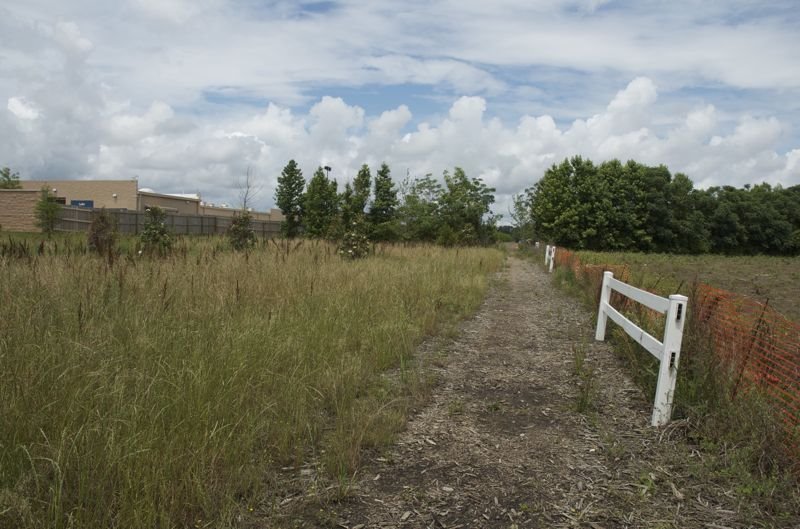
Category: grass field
[165,393]
[776,279]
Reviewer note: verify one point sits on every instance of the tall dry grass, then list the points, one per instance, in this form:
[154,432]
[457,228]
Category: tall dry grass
[163,393]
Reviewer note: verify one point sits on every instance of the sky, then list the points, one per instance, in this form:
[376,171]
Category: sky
[187,96]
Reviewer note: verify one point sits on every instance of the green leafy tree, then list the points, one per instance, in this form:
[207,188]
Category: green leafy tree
[464,208]
[289,198]
[353,200]
[346,212]
[521,216]
[240,233]
[383,210]
[635,207]
[47,211]
[361,186]
[320,205]
[9,180]
[689,225]
[155,237]
[554,204]
[419,217]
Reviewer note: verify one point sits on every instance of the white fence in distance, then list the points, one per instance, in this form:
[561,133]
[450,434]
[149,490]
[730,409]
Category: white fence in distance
[668,351]
[550,257]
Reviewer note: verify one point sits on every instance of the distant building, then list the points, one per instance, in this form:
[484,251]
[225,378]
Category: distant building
[124,195]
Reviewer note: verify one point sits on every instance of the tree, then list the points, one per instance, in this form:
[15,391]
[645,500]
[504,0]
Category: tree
[155,237]
[248,190]
[419,218]
[241,232]
[354,199]
[102,234]
[521,215]
[320,205]
[346,212]
[464,208]
[289,198]
[361,185]
[47,211]
[9,180]
[383,211]
[689,225]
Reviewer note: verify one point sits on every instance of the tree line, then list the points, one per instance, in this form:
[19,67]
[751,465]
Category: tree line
[375,208]
[635,207]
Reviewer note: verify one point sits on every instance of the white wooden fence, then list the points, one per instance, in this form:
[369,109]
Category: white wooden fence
[550,256]
[668,351]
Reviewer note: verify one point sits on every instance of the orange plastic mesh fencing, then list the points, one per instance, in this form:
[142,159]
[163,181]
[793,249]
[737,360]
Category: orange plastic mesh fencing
[760,346]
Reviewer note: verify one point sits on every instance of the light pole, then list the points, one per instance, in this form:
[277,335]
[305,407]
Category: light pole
[327,171]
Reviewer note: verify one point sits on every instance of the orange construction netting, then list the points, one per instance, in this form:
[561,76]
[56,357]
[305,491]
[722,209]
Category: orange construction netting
[758,345]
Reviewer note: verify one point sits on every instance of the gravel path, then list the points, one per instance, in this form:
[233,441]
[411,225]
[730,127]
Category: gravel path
[507,441]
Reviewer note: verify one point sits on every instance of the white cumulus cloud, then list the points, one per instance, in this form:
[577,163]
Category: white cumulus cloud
[22,108]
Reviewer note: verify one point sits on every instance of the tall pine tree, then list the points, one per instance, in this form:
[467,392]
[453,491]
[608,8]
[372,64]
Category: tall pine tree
[383,210]
[289,198]
[320,205]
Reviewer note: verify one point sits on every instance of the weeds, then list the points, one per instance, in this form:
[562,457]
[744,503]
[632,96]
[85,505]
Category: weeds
[160,392]
[586,399]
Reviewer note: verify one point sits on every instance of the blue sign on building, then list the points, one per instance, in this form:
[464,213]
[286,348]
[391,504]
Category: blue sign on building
[82,203]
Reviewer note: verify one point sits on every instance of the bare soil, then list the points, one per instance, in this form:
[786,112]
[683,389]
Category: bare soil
[504,441]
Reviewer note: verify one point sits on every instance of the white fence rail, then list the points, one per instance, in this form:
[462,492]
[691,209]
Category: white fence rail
[550,256]
[668,351]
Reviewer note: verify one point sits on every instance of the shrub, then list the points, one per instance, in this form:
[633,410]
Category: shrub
[47,210]
[155,237]
[354,243]
[241,232]
[102,235]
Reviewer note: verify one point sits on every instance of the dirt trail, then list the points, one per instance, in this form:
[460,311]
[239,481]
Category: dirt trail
[502,443]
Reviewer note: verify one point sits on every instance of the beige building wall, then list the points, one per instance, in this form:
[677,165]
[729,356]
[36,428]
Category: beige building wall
[17,210]
[216,211]
[112,194]
[169,203]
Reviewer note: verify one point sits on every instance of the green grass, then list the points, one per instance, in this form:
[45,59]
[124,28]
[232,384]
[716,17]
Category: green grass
[165,393]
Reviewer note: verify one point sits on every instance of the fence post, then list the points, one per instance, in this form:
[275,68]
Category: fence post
[668,370]
[605,297]
[547,255]
[552,258]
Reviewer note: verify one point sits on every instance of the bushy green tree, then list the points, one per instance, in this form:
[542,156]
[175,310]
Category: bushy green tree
[464,208]
[353,199]
[383,210]
[9,180]
[320,205]
[632,206]
[523,228]
[240,233]
[419,213]
[289,198]
[47,211]
[155,237]
[361,187]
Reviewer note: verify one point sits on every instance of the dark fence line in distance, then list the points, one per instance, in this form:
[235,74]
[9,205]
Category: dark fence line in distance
[132,222]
